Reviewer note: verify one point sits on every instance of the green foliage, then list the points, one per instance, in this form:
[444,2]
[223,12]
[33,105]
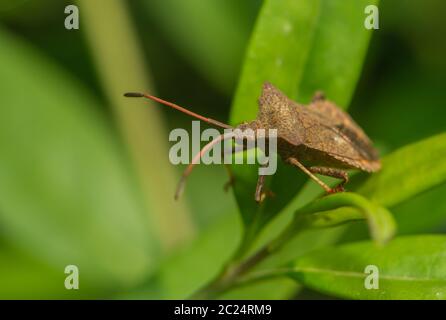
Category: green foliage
[349,207]
[290,47]
[68,190]
[60,168]
[337,52]
[268,59]
[346,207]
[409,171]
[409,268]
[283,28]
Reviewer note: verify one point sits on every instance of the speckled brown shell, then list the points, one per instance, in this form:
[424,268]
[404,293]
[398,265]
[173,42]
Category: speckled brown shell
[320,129]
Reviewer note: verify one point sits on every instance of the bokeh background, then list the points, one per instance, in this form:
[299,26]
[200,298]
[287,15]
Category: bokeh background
[85,177]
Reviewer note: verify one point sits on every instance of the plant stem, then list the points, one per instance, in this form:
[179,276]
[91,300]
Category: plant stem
[321,213]
[231,273]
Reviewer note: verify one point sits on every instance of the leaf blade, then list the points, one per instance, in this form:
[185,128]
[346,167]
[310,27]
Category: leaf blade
[408,171]
[60,169]
[277,53]
[304,67]
[418,273]
[345,207]
[338,51]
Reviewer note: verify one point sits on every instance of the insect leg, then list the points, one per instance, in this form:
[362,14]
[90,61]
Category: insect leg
[259,195]
[231,180]
[332,172]
[318,96]
[261,191]
[296,163]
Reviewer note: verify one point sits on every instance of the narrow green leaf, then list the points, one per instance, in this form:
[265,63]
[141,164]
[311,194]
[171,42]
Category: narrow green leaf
[412,171]
[277,53]
[409,219]
[408,171]
[338,51]
[408,268]
[66,193]
[208,251]
[299,46]
[345,207]
[24,277]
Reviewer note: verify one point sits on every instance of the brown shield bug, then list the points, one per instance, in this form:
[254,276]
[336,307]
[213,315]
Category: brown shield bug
[318,138]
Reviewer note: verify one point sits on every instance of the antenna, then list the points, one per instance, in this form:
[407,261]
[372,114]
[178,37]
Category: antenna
[174,106]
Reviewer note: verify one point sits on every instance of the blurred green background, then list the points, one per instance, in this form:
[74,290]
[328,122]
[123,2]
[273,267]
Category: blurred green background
[85,177]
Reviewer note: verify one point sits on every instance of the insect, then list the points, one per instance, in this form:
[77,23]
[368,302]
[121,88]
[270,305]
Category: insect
[318,138]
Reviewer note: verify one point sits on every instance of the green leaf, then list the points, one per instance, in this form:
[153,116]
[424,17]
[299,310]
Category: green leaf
[169,282]
[211,35]
[291,65]
[299,46]
[408,171]
[345,207]
[409,268]
[280,58]
[67,195]
[339,47]
[401,107]
[200,261]
[277,53]
[24,277]
[408,216]
[332,211]
[410,87]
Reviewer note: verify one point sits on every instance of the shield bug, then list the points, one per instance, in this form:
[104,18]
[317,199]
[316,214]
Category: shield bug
[318,138]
